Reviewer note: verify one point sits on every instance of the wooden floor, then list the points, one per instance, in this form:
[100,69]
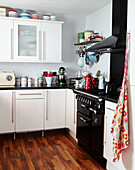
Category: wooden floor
[54,151]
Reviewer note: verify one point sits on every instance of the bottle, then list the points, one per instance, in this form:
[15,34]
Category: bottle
[87,82]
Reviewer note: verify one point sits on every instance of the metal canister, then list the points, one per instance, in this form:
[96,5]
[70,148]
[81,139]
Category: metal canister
[18,81]
[29,82]
[24,81]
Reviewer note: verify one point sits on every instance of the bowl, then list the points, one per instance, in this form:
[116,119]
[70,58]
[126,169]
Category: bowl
[24,14]
[35,16]
[12,13]
[53,18]
[46,17]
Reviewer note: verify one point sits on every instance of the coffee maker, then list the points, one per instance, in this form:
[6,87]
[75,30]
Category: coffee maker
[62,79]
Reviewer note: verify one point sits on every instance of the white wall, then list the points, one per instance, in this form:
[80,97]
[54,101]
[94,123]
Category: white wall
[71,26]
[101,21]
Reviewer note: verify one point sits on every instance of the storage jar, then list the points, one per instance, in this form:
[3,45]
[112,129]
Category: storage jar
[24,81]
[88,33]
[80,37]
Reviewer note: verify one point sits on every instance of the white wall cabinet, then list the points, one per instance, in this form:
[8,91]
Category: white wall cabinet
[24,40]
[71,111]
[108,138]
[27,40]
[55,109]
[29,110]
[6,39]
[6,111]
[52,42]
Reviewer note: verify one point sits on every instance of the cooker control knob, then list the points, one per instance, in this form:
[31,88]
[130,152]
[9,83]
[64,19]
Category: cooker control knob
[100,100]
[81,99]
[96,120]
[86,101]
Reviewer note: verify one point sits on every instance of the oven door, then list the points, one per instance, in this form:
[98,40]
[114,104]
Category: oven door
[84,124]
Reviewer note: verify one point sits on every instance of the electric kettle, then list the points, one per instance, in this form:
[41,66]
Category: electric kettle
[101,82]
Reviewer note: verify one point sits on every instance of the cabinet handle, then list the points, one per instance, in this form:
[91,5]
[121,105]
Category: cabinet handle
[12,107]
[47,105]
[11,43]
[83,119]
[30,94]
[110,109]
[105,131]
[74,110]
[44,36]
[39,53]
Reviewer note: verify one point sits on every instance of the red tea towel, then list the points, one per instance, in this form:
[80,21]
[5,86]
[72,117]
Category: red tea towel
[120,120]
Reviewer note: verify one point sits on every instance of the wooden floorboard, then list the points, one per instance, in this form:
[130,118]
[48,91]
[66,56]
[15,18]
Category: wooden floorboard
[58,151]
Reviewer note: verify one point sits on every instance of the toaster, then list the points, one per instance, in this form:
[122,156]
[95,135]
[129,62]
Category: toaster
[7,78]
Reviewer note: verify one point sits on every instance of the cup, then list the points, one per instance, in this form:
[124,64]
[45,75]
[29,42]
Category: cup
[48,80]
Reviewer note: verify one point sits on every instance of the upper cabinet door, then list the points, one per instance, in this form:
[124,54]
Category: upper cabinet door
[26,41]
[52,42]
[6,38]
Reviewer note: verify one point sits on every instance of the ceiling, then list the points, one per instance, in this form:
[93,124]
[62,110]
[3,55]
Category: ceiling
[71,7]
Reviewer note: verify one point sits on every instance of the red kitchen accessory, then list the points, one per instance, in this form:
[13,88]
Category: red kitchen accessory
[50,74]
[94,83]
[87,82]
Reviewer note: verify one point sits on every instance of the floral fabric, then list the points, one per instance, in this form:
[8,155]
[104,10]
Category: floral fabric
[120,120]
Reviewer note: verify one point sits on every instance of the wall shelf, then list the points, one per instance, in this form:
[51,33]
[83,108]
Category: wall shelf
[87,42]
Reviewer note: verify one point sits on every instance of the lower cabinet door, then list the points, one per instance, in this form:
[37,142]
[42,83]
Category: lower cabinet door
[6,112]
[29,115]
[55,109]
[71,110]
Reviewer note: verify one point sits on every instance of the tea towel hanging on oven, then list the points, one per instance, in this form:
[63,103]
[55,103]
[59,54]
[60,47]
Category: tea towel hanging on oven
[120,120]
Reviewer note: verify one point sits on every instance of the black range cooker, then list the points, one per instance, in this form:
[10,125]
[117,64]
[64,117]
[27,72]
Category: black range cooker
[90,124]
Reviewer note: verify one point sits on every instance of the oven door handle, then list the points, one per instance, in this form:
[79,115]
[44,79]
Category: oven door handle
[84,120]
[82,105]
[93,110]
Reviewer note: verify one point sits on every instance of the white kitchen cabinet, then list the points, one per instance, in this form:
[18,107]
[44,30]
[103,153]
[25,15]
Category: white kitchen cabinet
[52,42]
[6,111]
[29,110]
[27,39]
[6,39]
[71,111]
[55,109]
[108,138]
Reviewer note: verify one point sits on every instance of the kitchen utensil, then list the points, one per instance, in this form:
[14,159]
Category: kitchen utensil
[24,81]
[80,62]
[87,34]
[101,82]
[48,80]
[87,82]
[29,82]
[35,16]
[98,38]
[12,13]
[46,17]
[77,82]
[53,18]
[62,79]
[94,81]
[24,14]
[3,12]
[80,37]
[7,78]
[18,81]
